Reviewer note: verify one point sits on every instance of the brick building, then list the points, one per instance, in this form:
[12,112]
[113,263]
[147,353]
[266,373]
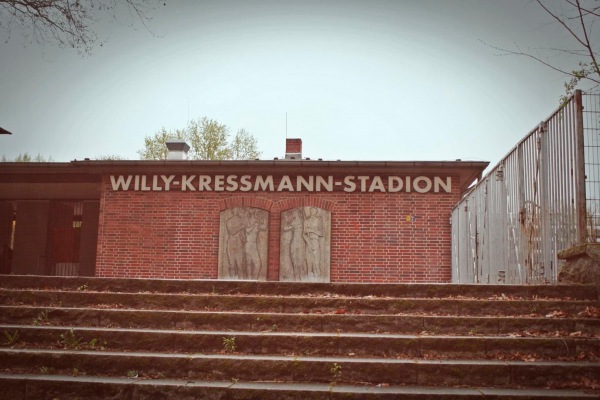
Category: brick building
[354,221]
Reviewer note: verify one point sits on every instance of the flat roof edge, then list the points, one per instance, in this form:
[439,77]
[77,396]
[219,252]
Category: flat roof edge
[138,166]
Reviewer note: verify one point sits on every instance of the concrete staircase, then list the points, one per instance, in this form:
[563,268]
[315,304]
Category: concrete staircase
[96,338]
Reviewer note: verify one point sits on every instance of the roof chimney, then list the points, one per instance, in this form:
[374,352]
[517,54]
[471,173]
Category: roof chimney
[293,149]
[178,149]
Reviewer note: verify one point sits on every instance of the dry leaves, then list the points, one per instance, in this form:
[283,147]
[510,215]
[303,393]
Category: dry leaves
[557,314]
[590,312]
[518,356]
[107,306]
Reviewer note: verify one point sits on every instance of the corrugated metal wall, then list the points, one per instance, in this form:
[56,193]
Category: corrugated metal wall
[510,226]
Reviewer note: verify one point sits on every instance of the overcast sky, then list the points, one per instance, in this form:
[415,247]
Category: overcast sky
[359,80]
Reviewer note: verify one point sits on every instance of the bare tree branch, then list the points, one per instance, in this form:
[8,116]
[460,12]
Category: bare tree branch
[560,21]
[578,21]
[578,53]
[538,59]
[587,45]
[593,11]
[68,23]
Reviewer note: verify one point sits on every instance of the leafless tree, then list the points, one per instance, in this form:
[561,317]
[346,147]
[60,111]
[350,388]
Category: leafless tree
[578,19]
[69,23]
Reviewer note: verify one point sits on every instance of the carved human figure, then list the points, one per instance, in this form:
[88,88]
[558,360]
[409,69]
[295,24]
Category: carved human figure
[253,228]
[313,232]
[286,243]
[305,245]
[297,246]
[235,242]
[243,243]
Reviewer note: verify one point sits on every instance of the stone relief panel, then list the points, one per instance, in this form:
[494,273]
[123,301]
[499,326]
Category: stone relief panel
[305,245]
[243,243]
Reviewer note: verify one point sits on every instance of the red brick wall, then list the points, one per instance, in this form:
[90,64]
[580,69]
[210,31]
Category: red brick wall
[293,145]
[175,234]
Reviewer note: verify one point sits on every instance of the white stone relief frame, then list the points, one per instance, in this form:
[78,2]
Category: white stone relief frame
[243,243]
[305,245]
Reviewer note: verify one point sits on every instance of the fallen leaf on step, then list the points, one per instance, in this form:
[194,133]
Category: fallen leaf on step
[557,314]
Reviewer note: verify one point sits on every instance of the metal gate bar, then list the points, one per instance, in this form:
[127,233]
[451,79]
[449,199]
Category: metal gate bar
[531,205]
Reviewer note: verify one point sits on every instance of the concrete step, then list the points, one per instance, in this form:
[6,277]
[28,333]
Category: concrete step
[35,386]
[250,321]
[313,344]
[68,338]
[298,304]
[373,371]
[293,288]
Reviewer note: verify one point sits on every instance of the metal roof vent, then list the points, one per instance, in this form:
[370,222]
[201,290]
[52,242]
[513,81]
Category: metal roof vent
[178,149]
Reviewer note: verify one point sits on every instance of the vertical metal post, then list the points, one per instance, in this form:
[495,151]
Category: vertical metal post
[544,213]
[580,197]
[520,214]
[486,242]
[454,276]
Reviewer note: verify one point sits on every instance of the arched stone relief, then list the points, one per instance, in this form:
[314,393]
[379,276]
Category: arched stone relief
[305,245]
[243,243]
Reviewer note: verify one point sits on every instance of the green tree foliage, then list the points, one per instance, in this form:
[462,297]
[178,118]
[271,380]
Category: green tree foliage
[244,146]
[208,140]
[26,157]
[109,157]
[154,146]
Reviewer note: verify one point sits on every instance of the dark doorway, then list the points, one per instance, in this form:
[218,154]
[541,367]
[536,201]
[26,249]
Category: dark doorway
[7,217]
[53,237]
[64,238]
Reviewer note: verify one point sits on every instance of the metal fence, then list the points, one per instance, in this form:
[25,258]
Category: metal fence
[510,226]
[591,133]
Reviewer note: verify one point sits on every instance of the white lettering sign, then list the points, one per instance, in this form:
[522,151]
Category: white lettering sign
[284,183]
